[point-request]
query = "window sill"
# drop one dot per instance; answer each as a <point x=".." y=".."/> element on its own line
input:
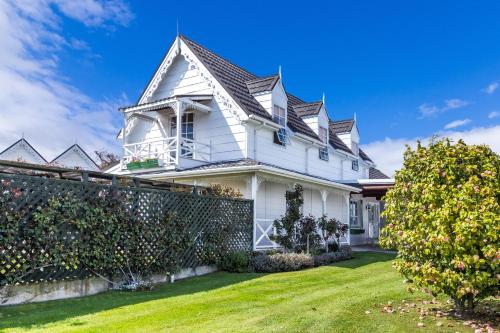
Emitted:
<point x="356" y="231"/>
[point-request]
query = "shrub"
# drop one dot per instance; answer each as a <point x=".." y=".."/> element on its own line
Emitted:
<point x="443" y="218"/>
<point x="220" y="190"/>
<point x="331" y="257"/>
<point x="281" y="262"/>
<point x="236" y="262"/>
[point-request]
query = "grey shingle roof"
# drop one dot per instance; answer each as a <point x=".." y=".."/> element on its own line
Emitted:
<point x="262" y="84"/>
<point x="335" y="140"/>
<point x="363" y="155"/>
<point x="234" y="79"/>
<point x="342" y="126"/>
<point x="374" y="173"/>
<point x="307" y="109"/>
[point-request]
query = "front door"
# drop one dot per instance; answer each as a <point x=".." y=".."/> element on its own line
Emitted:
<point x="373" y="220"/>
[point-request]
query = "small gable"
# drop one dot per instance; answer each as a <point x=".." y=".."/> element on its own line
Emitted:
<point x="22" y="151"/>
<point x="75" y="158"/>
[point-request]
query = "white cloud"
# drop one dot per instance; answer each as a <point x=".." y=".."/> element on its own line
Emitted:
<point x="491" y="88"/>
<point x="388" y="153"/>
<point x="454" y="103"/>
<point x="95" y="13"/>
<point x="36" y="99"/>
<point x="428" y="110"/>
<point x="457" y="123"/>
<point x="494" y="114"/>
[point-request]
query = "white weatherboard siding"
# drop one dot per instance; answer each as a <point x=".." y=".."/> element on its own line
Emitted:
<point x="219" y="128"/>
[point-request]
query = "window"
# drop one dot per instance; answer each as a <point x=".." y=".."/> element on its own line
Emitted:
<point x="355" y="165"/>
<point x="356" y="214"/>
<point x="187" y="131"/>
<point x="281" y="137"/>
<point x="323" y="135"/>
<point x="279" y="115"/>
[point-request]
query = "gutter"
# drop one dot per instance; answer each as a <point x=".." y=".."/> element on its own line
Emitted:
<point x="271" y="124"/>
<point x="255" y="168"/>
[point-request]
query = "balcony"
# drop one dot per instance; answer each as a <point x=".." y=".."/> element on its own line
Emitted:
<point x="164" y="153"/>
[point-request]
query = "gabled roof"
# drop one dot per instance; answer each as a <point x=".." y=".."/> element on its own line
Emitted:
<point x="308" y="109"/>
<point x="78" y="148"/>
<point x="363" y="155"/>
<point x="335" y="141"/>
<point x="23" y="140"/>
<point x="234" y="80"/>
<point x="342" y="126"/>
<point x="262" y="84"/>
<point x="374" y="173"/>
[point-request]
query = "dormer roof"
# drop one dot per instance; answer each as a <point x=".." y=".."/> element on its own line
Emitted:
<point x="262" y="84"/>
<point x="335" y="141"/>
<point x="308" y="109"/>
<point x="342" y="126"/>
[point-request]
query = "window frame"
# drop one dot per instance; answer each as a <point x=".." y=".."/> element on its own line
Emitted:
<point x="279" y="115"/>
<point x="323" y="135"/>
<point x="356" y="206"/>
<point x="355" y="165"/>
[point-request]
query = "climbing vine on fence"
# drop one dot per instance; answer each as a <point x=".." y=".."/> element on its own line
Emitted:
<point x="52" y="230"/>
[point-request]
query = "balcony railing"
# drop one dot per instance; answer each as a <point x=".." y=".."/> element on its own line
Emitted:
<point x="165" y="151"/>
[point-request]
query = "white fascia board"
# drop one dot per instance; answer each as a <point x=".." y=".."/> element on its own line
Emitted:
<point x="376" y="181"/>
<point x="255" y="168"/>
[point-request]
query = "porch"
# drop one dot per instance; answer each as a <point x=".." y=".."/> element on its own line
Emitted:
<point x="161" y="135"/>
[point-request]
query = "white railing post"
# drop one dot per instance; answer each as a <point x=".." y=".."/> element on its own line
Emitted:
<point x="348" y="203"/>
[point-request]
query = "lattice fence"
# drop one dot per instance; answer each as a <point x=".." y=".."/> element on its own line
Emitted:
<point x="22" y="258"/>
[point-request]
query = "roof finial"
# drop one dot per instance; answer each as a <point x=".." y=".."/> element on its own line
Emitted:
<point x="323" y="99"/>
<point x="355" y="117"/>
<point x="177" y="26"/>
<point x="279" y="71"/>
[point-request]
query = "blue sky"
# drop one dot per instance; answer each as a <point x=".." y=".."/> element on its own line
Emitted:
<point x="407" y="69"/>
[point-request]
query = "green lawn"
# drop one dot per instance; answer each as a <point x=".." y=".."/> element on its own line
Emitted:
<point x="325" y="299"/>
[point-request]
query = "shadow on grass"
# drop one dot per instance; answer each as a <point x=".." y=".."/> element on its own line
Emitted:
<point x="35" y="314"/>
<point x="365" y="258"/>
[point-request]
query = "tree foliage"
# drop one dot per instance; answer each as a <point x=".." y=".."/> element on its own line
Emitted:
<point x="444" y="219"/>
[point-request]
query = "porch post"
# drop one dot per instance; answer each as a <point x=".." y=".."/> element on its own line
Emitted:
<point x="347" y="198"/>
<point x="179" y="111"/>
<point x="324" y="196"/>
<point x="254" y="184"/>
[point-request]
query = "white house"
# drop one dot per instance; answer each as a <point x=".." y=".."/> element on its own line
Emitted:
<point x="247" y="132"/>
<point x="74" y="157"/>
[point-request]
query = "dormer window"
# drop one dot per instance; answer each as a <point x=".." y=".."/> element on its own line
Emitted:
<point x="279" y="115"/>
<point x="323" y="135"/>
<point x="355" y="148"/>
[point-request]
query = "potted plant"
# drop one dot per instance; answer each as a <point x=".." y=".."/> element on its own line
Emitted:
<point x="150" y="163"/>
<point x="135" y="164"/>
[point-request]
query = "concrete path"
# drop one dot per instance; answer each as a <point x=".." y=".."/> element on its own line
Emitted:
<point x="370" y="248"/>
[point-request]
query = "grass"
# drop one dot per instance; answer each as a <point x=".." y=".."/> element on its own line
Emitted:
<point x="325" y="299"/>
